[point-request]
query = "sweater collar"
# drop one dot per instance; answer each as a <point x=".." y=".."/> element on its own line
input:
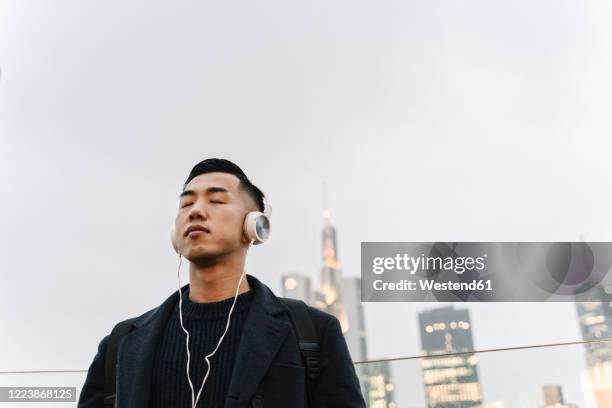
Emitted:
<point x="261" y="295"/>
<point x="215" y="310"/>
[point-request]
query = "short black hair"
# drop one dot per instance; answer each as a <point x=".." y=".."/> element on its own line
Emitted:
<point x="225" y="166"/>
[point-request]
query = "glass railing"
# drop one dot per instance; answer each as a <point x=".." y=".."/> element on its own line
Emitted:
<point x="576" y="375"/>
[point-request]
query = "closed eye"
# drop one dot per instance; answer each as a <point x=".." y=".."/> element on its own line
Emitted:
<point x="212" y="201"/>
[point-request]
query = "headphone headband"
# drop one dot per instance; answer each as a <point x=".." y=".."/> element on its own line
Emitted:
<point x="267" y="207"/>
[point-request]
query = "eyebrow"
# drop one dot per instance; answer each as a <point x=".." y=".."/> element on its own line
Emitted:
<point x="209" y="190"/>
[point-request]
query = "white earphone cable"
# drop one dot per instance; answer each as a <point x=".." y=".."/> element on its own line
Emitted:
<point x="194" y="403"/>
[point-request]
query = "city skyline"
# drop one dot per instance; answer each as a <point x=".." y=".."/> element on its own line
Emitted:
<point x="449" y="382"/>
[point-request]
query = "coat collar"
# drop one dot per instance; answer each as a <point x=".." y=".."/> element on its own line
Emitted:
<point x="263" y="333"/>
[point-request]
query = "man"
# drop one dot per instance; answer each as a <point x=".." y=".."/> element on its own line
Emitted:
<point x="253" y="353"/>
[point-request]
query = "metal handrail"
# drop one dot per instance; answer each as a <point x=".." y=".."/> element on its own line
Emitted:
<point x="421" y="356"/>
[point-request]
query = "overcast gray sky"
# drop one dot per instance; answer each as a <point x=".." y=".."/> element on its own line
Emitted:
<point x="429" y="121"/>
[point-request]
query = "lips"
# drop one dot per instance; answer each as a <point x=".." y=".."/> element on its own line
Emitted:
<point x="192" y="228"/>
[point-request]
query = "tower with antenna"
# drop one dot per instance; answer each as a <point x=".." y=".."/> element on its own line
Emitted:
<point x="341" y="296"/>
<point x="330" y="296"/>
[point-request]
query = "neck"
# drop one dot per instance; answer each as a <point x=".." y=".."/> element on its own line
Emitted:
<point x="217" y="281"/>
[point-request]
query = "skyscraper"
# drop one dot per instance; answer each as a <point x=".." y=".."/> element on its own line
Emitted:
<point x="595" y="319"/>
<point x="331" y="283"/>
<point x="553" y="397"/>
<point x="450" y="381"/>
<point x="356" y="333"/>
<point x="342" y="298"/>
<point x="379" y="390"/>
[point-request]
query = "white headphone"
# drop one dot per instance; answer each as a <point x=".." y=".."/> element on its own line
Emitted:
<point x="256" y="228"/>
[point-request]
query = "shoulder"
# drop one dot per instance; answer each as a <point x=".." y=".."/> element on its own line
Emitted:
<point x="144" y="317"/>
<point x="321" y="317"/>
<point x="154" y="313"/>
<point x="138" y="320"/>
<point x="325" y="323"/>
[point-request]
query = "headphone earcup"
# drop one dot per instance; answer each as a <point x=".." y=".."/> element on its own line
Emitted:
<point x="256" y="227"/>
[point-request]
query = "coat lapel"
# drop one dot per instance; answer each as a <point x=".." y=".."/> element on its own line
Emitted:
<point x="263" y="333"/>
<point x="136" y="354"/>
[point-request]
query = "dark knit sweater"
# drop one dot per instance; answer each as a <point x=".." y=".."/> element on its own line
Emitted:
<point x="205" y="323"/>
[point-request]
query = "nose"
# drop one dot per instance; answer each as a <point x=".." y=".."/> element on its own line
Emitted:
<point x="198" y="211"/>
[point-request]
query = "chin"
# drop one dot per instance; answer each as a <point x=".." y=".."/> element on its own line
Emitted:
<point x="200" y="254"/>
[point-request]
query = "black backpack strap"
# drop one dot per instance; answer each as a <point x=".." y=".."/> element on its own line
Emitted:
<point x="307" y="338"/>
<point x="110" y="367"/>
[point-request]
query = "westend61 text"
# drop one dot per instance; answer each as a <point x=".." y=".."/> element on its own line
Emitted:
<point x="430" y="284"/>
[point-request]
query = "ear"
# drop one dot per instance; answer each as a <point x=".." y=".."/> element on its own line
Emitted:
<point x="173" y="240"/>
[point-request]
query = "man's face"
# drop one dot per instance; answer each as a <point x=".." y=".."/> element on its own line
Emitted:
<point x="216" y="202"/>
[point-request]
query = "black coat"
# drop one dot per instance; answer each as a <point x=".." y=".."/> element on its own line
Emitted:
<point x="268" y="371"/>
